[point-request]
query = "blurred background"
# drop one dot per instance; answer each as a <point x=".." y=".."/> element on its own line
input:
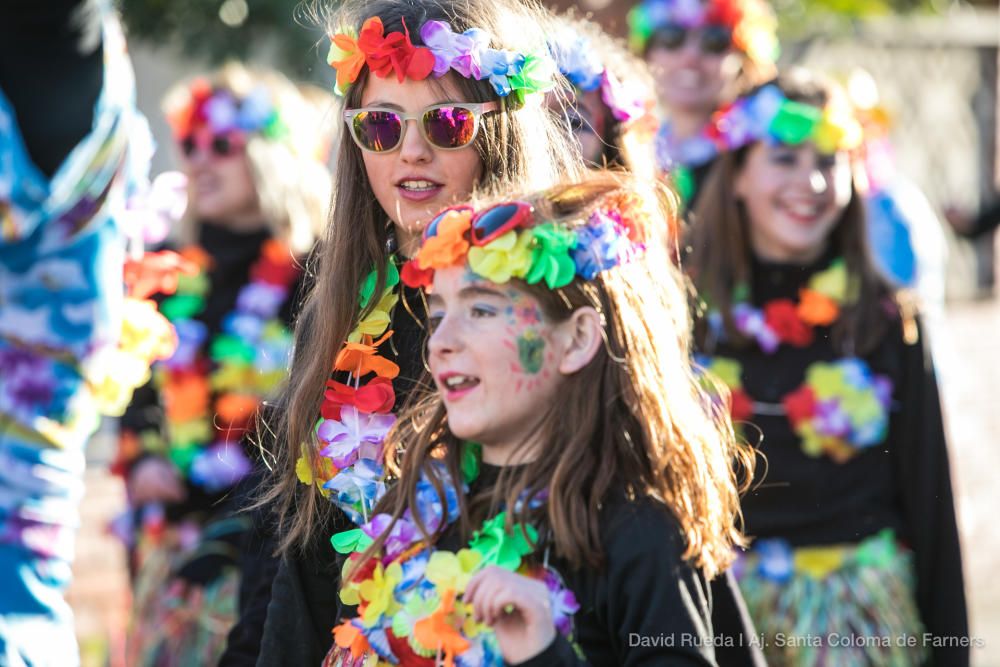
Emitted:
<point x="935" y="63"/>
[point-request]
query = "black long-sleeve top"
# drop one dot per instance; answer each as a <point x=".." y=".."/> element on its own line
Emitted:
<point x="903" y="483"/>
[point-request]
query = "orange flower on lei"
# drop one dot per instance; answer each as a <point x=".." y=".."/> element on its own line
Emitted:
<point x="362" y="358"/>
<point x="449" y="246"/>
<point x="347" y="635"/>
<point x="437" y="633"/>
<point x="816" y="308"/>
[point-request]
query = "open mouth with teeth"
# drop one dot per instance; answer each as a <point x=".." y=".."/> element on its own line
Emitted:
<point x="805" y="212"/>
<point x="456" y="384"/>
<point x="419" y="186"/>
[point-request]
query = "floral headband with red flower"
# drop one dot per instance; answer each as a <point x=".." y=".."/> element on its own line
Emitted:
<point x="752" y="22"/>
<point x="466" y="53"/>
<point x="508" y="241"/>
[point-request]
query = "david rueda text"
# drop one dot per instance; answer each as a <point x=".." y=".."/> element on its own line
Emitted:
<point x="689" y="639"/>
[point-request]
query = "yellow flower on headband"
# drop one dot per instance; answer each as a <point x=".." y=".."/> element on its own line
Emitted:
<point x="449" y="245"/>
<point x="837" y="130"/>
<point x="506" y="257"/>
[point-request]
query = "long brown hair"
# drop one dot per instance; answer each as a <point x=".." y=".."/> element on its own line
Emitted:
<point x="519" y="145"/>
<point x="721" y="254"/>
<point x="634" y="421"/>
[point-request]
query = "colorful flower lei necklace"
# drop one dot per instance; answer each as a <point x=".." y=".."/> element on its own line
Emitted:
<point x="467" y="53"/>
<point x="408" y="595"/>
<point x="753" y="23"/>
<point x="249" y="355"/>
<point x="842" y="406"/>
<point x="783" y="321"/>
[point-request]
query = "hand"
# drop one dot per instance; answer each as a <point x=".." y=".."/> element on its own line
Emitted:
<point x="154" y="480"/>
<point x="516" y="607"/>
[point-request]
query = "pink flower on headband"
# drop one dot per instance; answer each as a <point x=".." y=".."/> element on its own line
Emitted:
<point x="453" y="50"/>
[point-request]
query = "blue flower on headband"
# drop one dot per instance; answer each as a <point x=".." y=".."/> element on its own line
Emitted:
<point x="577" y="61"/>
<point x="498" y="66"/>
<point x="597" y="246"/>
<point x="255" y="110"/>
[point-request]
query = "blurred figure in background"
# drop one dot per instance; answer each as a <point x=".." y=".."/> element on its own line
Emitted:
<point x="612" y="105"/>
<point x="73" y="148"/>
<point x="702" y="54"/>
<point x="253" y="148"/>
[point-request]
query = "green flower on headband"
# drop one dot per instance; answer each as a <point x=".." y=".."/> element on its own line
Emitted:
<point x="275" y="129"/>
<point x="506" y="257"/>
<point x="501" y="548"/>
<point x="536" y="76"/>
<point x="795" y="122"/>
<point x="552" y="261"/>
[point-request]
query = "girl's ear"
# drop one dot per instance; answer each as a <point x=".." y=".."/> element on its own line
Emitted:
<point x="581" y="338"/>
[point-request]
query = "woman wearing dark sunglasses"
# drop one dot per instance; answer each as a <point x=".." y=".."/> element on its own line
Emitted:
<point x="440" y="99"/>
<point x="252" y="147"/>
<point x="702" y="53"/>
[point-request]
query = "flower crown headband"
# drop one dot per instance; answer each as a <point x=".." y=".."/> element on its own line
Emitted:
<point x="466" y="53"/>
<point x="577" y="61"/>
<point x="767" y="115"/>
<point x="507" y="241"/>
<point x="752" y="22"/>
<point x="222" y="112"/>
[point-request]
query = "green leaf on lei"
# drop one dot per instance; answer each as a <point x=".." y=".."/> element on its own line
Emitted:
<point x="368" y="285"/>
<point x="349" y="541"/>
<point x="878" y="551"/>
<point x="182" y="457"/>
<point x="472" y="453"/>
<point x="182" y="306"/>
<point x="501" y="548"/>
<point x="227" y="347"/>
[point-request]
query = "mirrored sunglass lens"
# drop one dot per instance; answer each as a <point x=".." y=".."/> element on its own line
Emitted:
<point x="490" y="221"/>
<point x="188" y="146"/>
<point x="222" y="146"/>
<point x="377" y="130"/>
<point x="715" y="39"/>
<point x="450" y="127"/>
<point x="669" y="37"/>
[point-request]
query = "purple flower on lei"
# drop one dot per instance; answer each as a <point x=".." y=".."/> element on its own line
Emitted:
<point x="399" y="539"/>
<point x="220" y="467"/>
<point x="356" y="435"/>
<point x="831" y="420"/>
<point x="28" y="381"/>
<point x="750" y="322"/>
<point x="429" y="502"/>
<point x="563" y="602"/>
<point x="190" y="336"/>
<point x="261" y="299"/>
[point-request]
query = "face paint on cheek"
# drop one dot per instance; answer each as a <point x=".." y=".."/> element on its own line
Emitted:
<point x="531" y="351"/>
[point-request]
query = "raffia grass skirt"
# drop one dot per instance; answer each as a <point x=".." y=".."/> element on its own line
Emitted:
<point x="850" y="605"/>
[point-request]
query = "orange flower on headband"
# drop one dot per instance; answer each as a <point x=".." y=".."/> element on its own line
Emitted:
<point x="449" y="246"/>
<point x="346" y="57"/>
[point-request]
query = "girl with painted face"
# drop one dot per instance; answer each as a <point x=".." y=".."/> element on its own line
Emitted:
<point x="567" y="491"/>
<point x="439" y="99"/>
<point x="252" y="148"/>
<point x="611" y="109"/>
<point x="702" y="54"/>
<point x="827" y="363"/>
